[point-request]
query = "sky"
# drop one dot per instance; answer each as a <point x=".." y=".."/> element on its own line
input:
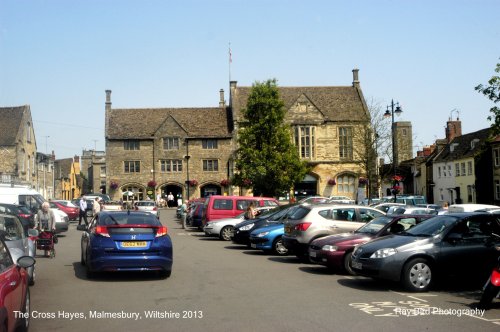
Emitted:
<point x="59" y="57"/>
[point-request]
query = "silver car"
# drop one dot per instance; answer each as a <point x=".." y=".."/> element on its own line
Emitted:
<point x="11" y="230"/>
<point x="309" y="222"/>
<point x="146" y="206"/>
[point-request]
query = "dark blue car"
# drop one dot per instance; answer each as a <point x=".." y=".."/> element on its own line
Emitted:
<point x="126" y="241"/>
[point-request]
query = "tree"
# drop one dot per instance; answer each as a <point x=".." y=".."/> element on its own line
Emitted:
<point x="266" y="158"/>
<point x="373" y="140"/>
<point x="492" y="92"/>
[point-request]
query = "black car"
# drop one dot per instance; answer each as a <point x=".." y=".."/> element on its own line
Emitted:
<point x="22" y="212"/>
<point x="457" y="244"/>
<point x="241" y="234"/>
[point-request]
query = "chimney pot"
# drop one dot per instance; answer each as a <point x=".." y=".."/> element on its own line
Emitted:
<point x="355" y="79"/>
<point x="222" y="103"/>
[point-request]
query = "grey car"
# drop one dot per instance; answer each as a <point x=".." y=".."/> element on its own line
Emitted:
<point x="11" y="230"/>
<point x="146" y="206"/>
<point x="309" y="222"/>
<point x="458" y="244"/>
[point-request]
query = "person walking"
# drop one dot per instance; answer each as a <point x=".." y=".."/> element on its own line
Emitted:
<point x="45" y="223"/>
<point x="83" y="211"/>
<point x="96" y="207"/>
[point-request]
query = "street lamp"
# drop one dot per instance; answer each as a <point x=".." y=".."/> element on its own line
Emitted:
<point x="390" y="113"/>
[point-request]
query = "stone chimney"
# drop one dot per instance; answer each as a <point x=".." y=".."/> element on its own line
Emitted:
<point x="222" y="102"/>
<point x="76" y="159"/>
<point x="108" y="100"/>
<point x="453" y="129"/>
<point x="355" y="80"/>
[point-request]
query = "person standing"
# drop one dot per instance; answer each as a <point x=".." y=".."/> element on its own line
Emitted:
<point x="83" y="211"/>
<point x="170" y="200"/>
<point x="250" y="212"/>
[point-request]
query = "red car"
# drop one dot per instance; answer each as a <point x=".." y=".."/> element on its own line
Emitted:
<point x="67" y="207"/>
<point x="335" y="251"/>
<point x="14" y="291"/>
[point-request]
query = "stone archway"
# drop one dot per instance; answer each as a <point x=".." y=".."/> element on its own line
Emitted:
<point x="307" y="187"/>
<point x="210" y="189"/>
<point x="177" y="191"/>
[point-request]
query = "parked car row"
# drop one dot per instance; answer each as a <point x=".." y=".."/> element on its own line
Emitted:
<point x="413" y="249"/>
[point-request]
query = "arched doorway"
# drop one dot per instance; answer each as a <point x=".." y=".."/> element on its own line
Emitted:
<point x="175" y="189"/>
<point x="133" y="192"/>
<point x="307" y="187"/>
<point x="210" y="189"/>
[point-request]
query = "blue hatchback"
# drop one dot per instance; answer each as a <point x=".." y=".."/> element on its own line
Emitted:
<point x="269" y="238"/>
<point x="126" y="241"/>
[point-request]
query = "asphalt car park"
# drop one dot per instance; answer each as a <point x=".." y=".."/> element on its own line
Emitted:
<point x="224" y="286"/>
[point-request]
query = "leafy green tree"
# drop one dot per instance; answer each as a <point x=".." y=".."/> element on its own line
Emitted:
<point x="492" y="91"/>
<point x="266" y="158"/>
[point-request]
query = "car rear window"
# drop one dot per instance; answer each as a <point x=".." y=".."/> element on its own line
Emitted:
<point x="223" y="204"/>
<point x="145" y="203"/>
<point x="299" y="213"/>
<point x="270" y="203"/>
<point x="128" y="219"/>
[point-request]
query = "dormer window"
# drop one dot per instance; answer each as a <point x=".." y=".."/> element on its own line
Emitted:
<point x="474" y="143"/>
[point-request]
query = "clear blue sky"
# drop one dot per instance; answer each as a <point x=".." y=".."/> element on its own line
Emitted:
<point x="59" y="56"/>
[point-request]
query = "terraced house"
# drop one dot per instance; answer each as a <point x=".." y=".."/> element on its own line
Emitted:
<point x="190" y="151"/>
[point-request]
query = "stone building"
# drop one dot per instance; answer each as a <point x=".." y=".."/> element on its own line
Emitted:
<point x="17" y="146"/>
<point x="93" y="168"/>
<point x="183" y="151"/>
<point x="190" y="151"/>
<point x="328" y="126"/>
<point x="67" y="180"/>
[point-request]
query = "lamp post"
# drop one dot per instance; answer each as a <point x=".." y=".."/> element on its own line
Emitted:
<point x="390" y="113"/>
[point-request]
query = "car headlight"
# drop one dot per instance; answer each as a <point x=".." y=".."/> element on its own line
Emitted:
<point x="329" y="247"/>
<point x="383" y="253"/>
<point x="246" y="227"/>
<point x="262" y="234"/>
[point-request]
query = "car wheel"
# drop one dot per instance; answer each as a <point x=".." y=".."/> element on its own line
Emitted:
<point x="347" y="263"/>
<point x="226" y="233"/>
<point x="278" y="247"/>
<point x="417" y="275"/>
<point x="24" y="323"/>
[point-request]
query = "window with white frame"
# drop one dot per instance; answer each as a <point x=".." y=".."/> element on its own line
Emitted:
<point x="469" y="168"/>
<point x="304" y="137"/>
<point x="449" y="171"/>
<point x="439" y="171"/>
<point x="457" y="169"/>
<point x="345" y="142"/>
<point x="171" y="143"/>
<point x="469" y="194"/>
<point x="102" y="171"/>
<point x="496" y="157"/>
<point x="345" y="183"/>
<point x="462" y="167"/>
<point x="171" y="165"/>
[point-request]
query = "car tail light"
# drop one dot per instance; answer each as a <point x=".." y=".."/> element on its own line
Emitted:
<point x="302" y="226"/>
<point x="161" y="231"/>
<point x="154" y="209"/>
<point x="24" y="215"/>
<point x="102" y="231"/>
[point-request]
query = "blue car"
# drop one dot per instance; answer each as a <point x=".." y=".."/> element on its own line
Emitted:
<point x="269" y="238"/>
<point x="126" y="241"/>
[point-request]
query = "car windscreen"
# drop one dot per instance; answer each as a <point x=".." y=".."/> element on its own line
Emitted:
<point x="432" y="226"/>
<point x="374" y="226"/>
<point x="127" y="219"/>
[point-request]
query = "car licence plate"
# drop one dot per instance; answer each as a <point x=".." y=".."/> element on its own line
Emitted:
<point x="254" y="245"/>
<point x="312" y="253"/>
<point x="134" y="244"/>
<point x="357" y="265"/>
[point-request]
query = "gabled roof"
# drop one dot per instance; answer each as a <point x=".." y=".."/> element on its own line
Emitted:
<point x="337" y="103"/>
<point x="10" y="122"/>
<point x="143" y="123"/>
<point x="462" y="147"/>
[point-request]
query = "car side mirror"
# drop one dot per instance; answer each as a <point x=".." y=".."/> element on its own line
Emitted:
<point x="81" y="227"/>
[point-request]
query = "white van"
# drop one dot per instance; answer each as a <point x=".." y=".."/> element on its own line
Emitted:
<point x="470" y="207"/>
<point x="21" y="195"/>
